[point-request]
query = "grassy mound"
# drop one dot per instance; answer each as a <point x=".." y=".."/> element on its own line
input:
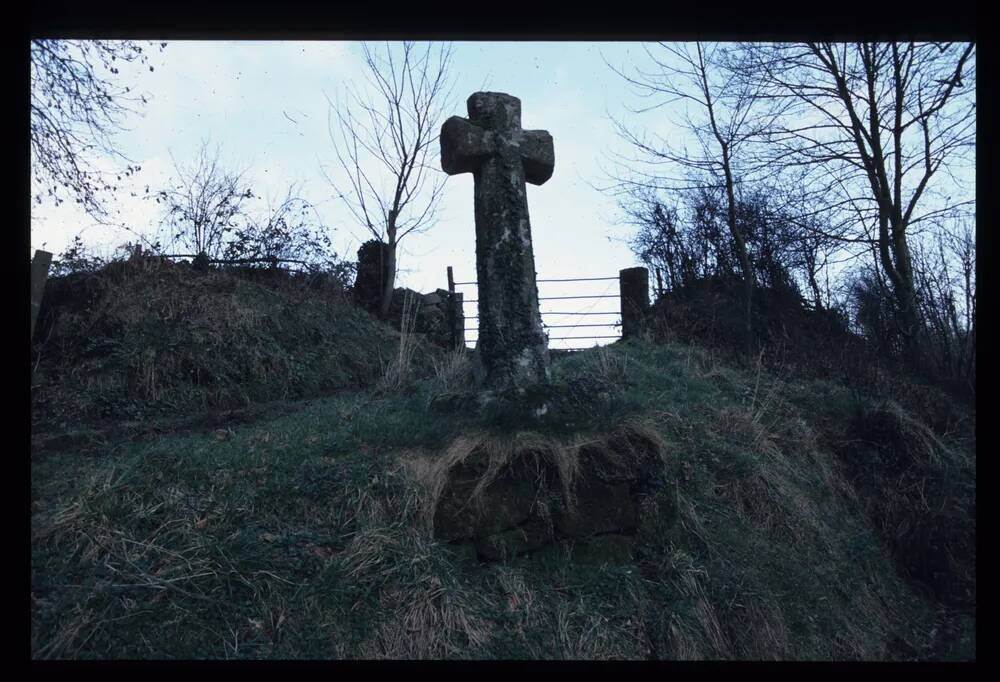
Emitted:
<point x="711" y="313"/>
<point x="150" y="337"/>
<point x="921" y="495"/>
<point x="307" y="534"/>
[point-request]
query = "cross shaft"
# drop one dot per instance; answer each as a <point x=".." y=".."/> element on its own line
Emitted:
<point x="491" y="145"/>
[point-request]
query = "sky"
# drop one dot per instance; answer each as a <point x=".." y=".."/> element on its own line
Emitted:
<point x="266" y="105"/>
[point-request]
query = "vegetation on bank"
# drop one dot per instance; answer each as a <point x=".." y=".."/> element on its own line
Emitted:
<point x="145" y="336"/>
<point x="813" y="523"/>
<point x="242" y="464"/>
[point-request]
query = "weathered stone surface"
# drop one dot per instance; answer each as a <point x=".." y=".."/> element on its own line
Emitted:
<point x="527" y="537"/>
<point x="431" y="315"/>
<point x="491" y="144"/>
<point x="464" y="551"/>
<point x="505" y="503"/>
<point x="524" y="510"/>
<point x="600" y="508"/>
<point x="39" y="273"/>
<point x="621" y="458"/>
<point x="610" y="469"/>
<point x="612" y="548"/>
<point x="200" y="263"/>
<point x="456" y="320"/>
<point x="634" y="285"/>
<point x="405" y="297"/>
<point x="373" y="266"/>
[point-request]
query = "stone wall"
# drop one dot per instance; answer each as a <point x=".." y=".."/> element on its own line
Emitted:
<point x="432" y="314"/>
<point x="527" y="506"/>
<point x="372" y="271"/>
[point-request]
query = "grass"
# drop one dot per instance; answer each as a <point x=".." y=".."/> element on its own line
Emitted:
<point x="305" y="534"/>
<point x="149" y="339"/>
<point x="397" y="374"/>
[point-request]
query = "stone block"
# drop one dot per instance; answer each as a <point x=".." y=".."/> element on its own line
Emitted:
<point x="527" y="537"/>
<point x="600" y="508"/>
<point x="505" y="503"/>
<point x="613" y="548"/>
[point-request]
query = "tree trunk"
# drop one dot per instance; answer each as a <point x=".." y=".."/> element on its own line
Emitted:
<point x="741" y="248"/>
<point x="809" y="254"/>
<point x="390" y="267"/>
<point x="909" y="320"/>
<point x="389" y="285"/>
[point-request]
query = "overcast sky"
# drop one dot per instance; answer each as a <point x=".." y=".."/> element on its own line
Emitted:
<point x="265" y="104"/>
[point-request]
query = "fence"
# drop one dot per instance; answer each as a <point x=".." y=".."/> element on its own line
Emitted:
<point x="555" y="316"/>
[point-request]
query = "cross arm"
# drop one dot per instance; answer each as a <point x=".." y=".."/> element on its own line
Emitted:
<point x="464" y="145"/>
<point x="538" y="156"/>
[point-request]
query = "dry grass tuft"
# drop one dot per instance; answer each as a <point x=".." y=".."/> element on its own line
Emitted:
<point x="426" y="620"/>
<point x="491" y="456"/>
<point x="698" y="635"/>
<point x="612" y="368"/>
<point x="453" y="370"/>
<point x="149" y="337"/>
<point x="397" y="374"/>
<point x="769" y="636"/>
<point x="585" y="634"/>
<point x="920" y="494"/>
<point x="918" y="439"/>
<point x="424" y="611"/>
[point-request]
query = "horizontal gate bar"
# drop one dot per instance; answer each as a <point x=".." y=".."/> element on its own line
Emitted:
<point x="578" y="279"/>
<point x="547" y="312"/>
<point x="559" y="326"/>
<point x="573" y="279"/>
<point x="559" y="298"/>
<point x="565" y="338"/>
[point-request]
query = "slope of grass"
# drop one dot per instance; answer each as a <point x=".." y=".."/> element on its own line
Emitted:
<point x="143" y="338"/>
<point x="304" y="535"/>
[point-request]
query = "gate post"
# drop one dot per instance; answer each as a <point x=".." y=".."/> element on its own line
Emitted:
<point x="634" y="287"/>
<point x="39" y="273"/>
<point x="458" y="321"/>
<point x="456" y="315"/>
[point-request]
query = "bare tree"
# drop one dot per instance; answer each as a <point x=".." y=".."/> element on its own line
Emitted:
<point x="659" y="239"/>
<point x="76" y="109"/>
<point x="720" y="112"/>
<point x="877" y="127"/>
<point x="205" y="203"/>
<point x="289" y="229"/>
<point x="944" y="273"/>
<point x="384" y="139"/>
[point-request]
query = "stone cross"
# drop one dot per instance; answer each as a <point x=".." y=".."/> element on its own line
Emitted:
<point x="491" y="145"/>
